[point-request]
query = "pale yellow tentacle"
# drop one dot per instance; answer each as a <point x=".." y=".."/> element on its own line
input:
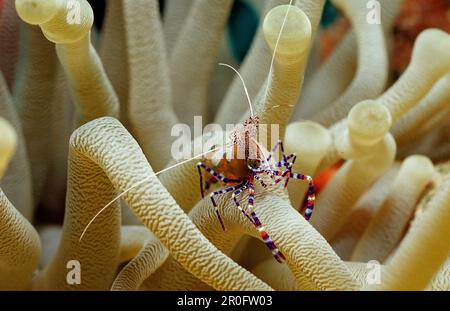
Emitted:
<point x="193" y="58"/>
<point x="143" y="254"/>
<point x="361" y="214"/>
<point x="336" y="73"/>
<point x="428" y="65"/>
<point x="8" y="145"/>
<point x="19" y="242"/>
<point x="410" y="126"/>
<point x="277" y="98"/>
<point x="309" y="256"/>
<point x="256" y="65"/>
<point x="104" y="149"/>
<point x="309" y="141"/>
<point x="114" y="55"/>
<point x="386" y="229"/>
<point x="16" y="182"/>
<point x="372" y="71"/>
<point x="424" y="250"/>
<point x="442" y="280"/>
<point x="20" y="248"/>
<point x="151" y="115"/>
<point x="91" y="89"/>
<point x="175" y="15"/>
<point x="370" y="151"/>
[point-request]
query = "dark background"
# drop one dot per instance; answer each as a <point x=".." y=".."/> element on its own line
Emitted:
<point x="99" y="10"/>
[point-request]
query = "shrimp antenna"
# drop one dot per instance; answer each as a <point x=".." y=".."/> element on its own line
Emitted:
<point x="140" y="183"/>
<point x="243" y="83"/>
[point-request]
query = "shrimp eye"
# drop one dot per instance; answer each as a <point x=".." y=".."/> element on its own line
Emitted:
<point x="254" y="164"/>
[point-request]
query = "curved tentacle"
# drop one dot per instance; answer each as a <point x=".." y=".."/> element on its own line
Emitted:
<point x="255" y="67"/>
<point x="428" y="65"/>
<point x="19" y="243"/>
<point x="422" y="252"/>
<point x="277" y="97"/>
<point x="372" y="70"/>
<point x="16" y="182"/>
<point x="194" y="55"/>
<point x="308" y="255"/>
<point x="370" y="151"/>
<point x="91" y="89"/>
<point x="336" y="73"/>
<point x="104" y="149"/>
<point x="385" y="230"/>
<point x="144" y="254"/>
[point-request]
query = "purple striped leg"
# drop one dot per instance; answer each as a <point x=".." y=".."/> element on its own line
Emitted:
<point x="223" y="191"/>
<point x="260" y="180"/>
<point x="311" y="192"/>
<point x="280" y="145"/>
<point x="216" y="175"/>
<point x="284" y="162"/>
<point x="236" y="202"/>
<point x="277" y="254"/>
<point x="288" y="165"/>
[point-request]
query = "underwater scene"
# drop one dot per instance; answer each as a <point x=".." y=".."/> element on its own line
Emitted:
<point x="224" y="145"/>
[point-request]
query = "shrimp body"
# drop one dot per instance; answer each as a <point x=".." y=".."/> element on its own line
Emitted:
<point x="239" y="175"/>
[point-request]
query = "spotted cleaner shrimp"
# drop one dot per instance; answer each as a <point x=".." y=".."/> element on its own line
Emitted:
<point x="239" y="174"/>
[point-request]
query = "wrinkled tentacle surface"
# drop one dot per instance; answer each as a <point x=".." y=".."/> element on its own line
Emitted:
<point x="372" y="70"/>
<point x="194" y="55"/>
<point x="96" y="148"/>
<point x="379" y="203"/>
<point x="337" y="73"/>
<point x="256" y="65"/>
<point x="20" y="247"/>
<point x="362" y="213"/>
<point x="423" y="252"/>
<point x="149" y="98"/>
<point x="16" y="183"/>
<point x="370" y="151"/>
<point x="91" y="89"/>
<point x="308" y="255"/>
<point x="143" y="254"/>
<point x="385" y="230"/>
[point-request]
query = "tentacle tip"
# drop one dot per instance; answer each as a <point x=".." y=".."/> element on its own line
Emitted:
<point x="431" y="43"/>
<point x="369" y="121"/>
<point x="37" y="12"/>
<point x="296" y="30"/>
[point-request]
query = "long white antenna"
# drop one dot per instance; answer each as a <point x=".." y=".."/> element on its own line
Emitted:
<point x="275" y="50"/>
<point x="200" y="155"/>
<point x="140" y="183"/>
<point x="243" y="83"/>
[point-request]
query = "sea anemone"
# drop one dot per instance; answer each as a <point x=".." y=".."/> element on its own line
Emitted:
<point x="88" y="177"/>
